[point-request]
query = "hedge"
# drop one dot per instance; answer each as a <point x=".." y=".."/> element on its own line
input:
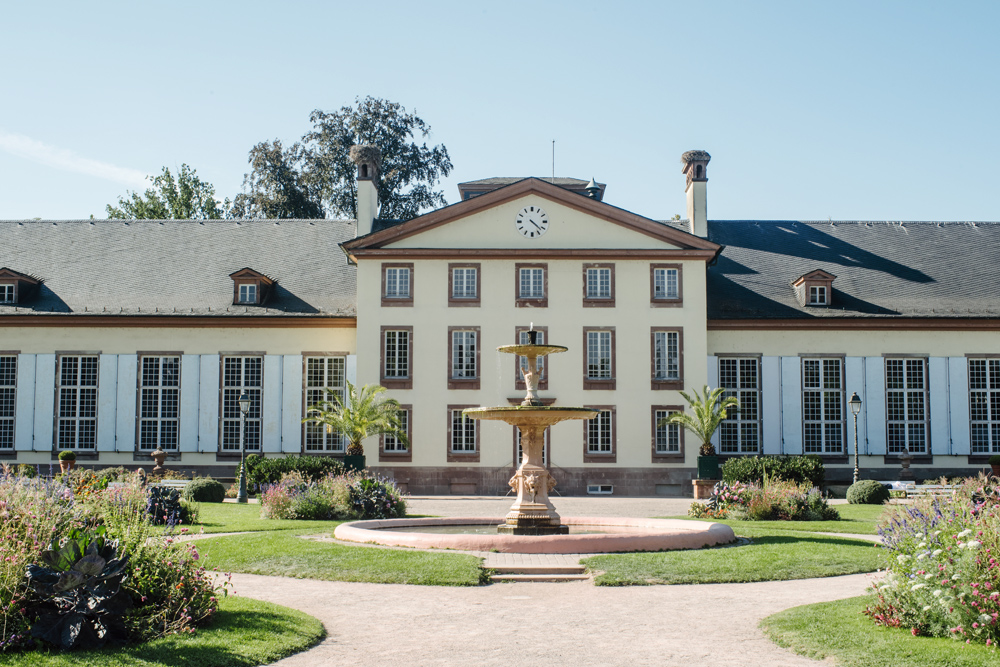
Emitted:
<point x="753" y="469"/>
<point x="262" y="470"/>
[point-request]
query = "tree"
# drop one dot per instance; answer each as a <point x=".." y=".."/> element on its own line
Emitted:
<point x="409" y="170"/>
<point x="187" y="198"/>
<point x="708" y="412"/>
<point x="276" y="186"/>
<point x="365" y="413"/>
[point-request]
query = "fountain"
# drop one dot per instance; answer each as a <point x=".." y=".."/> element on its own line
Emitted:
<point x="532" y="513"/>
<point x="532" y="525"/>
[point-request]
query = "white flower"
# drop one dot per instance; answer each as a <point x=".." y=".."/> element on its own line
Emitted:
<point x="956" y="576"/>
<point x="985" y="618"/>
<point x="921" y="545"/>
<point x="919" y="535"/>
<point x="937" y="552"/>
<point x="965" y="533"/>
<point x="961" y="545"/>
<point x="921" y="556"/>
<point x="936" y="533"/>
<point x="927" y="608"/>
<point x="902" y="558"/>
<point x="929" y="576"/>
<point x="917" y="587"/>
<point x="973" y="544"/>
<point x="936" y="594"/>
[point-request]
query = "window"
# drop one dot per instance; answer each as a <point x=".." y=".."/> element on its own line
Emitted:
<point x="984" y="405"/>
<point x="519" y="451"/>
<point x="463" y="435"/>
<point x="241" y="374"/>
<point x="668" y="439"/>
<point x="463" y="285"/>
<point x="159" y="401"/>
<point x="463" y="351"/>
<point x="666" y="359"/>
<point x="599" y="369"/>
<point x="322" y="373"/>
<point x="77" y="407"/>
<point x="397" y="285"/>
<point x="599" y="436"/>
<point x="8" y="394"/>
<point x="531" y="286"/>
<point x="817" y="296"/>
<point x="905" y="404"/>
<point x="248" y="293"/>
<point x="665" y="285"/>
<point x="823" y="406"/>
<point x="599" y="285"/>
<point x="521" y="334"/>
<point x="392" y="445"/>
<point x="397" y="346"/>
<point x="739" y="433"/>
<point x="7" y="293"/>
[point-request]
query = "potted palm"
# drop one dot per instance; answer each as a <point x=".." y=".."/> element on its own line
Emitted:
<point x="995" y="464"/>
<point x="708" y="409"/>
<point x="362" y="413"/>
<point x="67" y="460"/>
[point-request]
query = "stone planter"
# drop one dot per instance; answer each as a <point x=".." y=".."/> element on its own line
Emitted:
<point x="708" y="467"/>
<point x="353" y="462"/>
<point x="703" y="488"/>
<point x="66" y="465"/>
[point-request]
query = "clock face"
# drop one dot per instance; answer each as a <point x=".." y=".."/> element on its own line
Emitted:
<point x="532" y="222"/>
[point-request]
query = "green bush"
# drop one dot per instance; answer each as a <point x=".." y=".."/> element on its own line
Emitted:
<point x="261" y="471"/>
<point x="867" y="492"/>
<point x="755" y="469"/>
<point x="165" y="508"/>
<point x="26" y="470"/>
<point x="204" y="490"/>
<point x="995" y="460"/>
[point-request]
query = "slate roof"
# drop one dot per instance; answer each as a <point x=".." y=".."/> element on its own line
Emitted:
<point x="179" y="267"/>
<point x="883" y="269"/>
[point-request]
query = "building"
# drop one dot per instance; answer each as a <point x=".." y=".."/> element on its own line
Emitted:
<point x="117" y="337"/>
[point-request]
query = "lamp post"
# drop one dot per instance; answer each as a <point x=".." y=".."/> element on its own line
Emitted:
<point x="241" y="496"/>
<point x="855" y="404"/>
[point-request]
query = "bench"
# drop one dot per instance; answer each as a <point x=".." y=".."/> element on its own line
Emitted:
<point x="179" y="484"/>
<point x="916" y="490"/>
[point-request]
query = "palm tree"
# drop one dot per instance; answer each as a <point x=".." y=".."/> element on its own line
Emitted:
<point x="365" y="413"/>
<point x="708" y="412"/>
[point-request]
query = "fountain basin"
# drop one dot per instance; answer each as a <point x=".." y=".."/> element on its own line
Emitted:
<point x="530" y="415"/>
<point x="628" y="535"/>
<point x="533" y="350"/>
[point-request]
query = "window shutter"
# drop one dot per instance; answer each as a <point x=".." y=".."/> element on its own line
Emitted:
<point x="189" y="395"/>
<point x="208" y="409"/>
<point x="271" y="404"/>
<point x="937" y="371"/>
<point x="24" y="409"/>
<point x="875" y="405"/>
<point x="107" y="402"/>
<point x="125" y="423"/>
<point x="961" y="439"/>
<point x="713" y="383"/>
<point x="291" y="404"/>
<point x="791" y="405"/>
<point x="854" y="376"/>
<point x="45" y="394"/>
<point x="771" y="405"/>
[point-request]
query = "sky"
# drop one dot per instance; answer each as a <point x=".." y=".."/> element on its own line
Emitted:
<point x="811" y="110"/>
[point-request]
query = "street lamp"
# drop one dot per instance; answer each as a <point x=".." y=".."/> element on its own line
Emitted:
<point x="241" y="496"/>
<point x="855" y="404"/>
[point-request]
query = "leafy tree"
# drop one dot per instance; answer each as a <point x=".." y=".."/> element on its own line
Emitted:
<point x="708" y="412"/>
<point x="365" y="413"/>
<point x="276" y="186"/>
<point x="186" y="198"/>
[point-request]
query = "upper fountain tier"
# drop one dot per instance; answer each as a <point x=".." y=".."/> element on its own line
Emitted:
<point x="529" y="350"/>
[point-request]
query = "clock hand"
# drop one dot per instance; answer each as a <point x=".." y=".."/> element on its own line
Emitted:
<point x="535" y="224"/>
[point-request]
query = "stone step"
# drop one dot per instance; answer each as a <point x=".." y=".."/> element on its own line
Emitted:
<point x="517" y="578"/>
<point x="539" y="569"/>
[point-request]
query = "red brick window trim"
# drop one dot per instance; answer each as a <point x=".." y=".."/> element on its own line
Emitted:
<point x="397" y="284"/>
<point x="600" y="435"/>
<point x="396" y="362"/>
<point x="464" y="357"/>
<point x="531" y="288"/>
<point x="521" y="336"/>
<point x="463" y="433"/>
<point x="666" y="286"/>
<point x="667" y="441"/>
<point x="464" y="285"/>
<point x="666" y="360"/>
<point x="598" y="285"/>
<point x="391" y="449"/>
<point x="599" y="362"/>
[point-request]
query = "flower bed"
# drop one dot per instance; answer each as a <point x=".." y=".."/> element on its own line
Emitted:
<point x="344" y="496"/>
<point x="769" y="501"/>
<point x="942" y="574"/>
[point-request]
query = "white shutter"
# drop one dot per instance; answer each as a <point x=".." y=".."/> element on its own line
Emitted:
<point x="270" y="416"/>
<point x="107" y="401"/>
<point x="208" y="405"/>
<point x="190" y="394"/>
<point x="45" y="392"/>
<point x="961" y="439"/>
<point x="770" y="371"/>
<point x="128" y="373"/>
<point x="351" y="368"/>
<point x="24" y="408"/>
<point x="791" y="405"/>
<point x="875" y="405"/>
<point x="712" y="377"/>
<point x="937" y="370"/>
<point x="854" y="376"/>
<point x="291" y="404"/>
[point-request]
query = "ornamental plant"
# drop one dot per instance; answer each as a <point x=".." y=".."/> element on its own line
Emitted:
<point x="67" y="455"/>
<point x="364" y="413"/>
<point x="707" y="412"/>
<point x="942" y="576"/>
<point x="346" y="496"/>
<point x="773" y="500"/>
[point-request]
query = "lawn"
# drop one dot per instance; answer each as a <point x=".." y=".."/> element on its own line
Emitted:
<point x="238" y="518"/>
<point x="836" y="631"/>
<point x="857" y="519"/>
<point x="244" y="633"/>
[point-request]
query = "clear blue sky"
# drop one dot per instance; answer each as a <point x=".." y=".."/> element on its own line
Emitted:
<point x="847" y="110"/>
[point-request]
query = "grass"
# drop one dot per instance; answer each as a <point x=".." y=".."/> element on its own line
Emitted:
<point x="244" y="633"/>
<point x="837" y="632"/>
<point x="239" y="518"/>
<point x="283" y="553"/>
<point x="857" y="519"/>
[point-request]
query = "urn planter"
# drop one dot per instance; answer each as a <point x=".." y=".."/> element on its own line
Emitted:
<point x="708" y="467"/>
<point x="354" y="462"/>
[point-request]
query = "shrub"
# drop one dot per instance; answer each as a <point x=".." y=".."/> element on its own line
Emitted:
<point x="755" y="469"/>
<point x="27" y="471"/>
<point x="347" y="496"/>
<point x="376" y="499"/>
<point x="116" y="474"/>
<point x="942" y="577"/>
<point x="204" y="490"/>
<point x="867" y="492"/>
<point x="994" y="460"/>
<point x="775" y="500"/>
<point x="67" y="455"/>
<point x="164" y="507"/>
<point x="312" y="468"/>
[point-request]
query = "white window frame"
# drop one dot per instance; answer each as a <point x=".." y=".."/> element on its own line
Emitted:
<point x="824" y="424"/>
<point x="599" y="355"/>
<point x="397" y="282"/>
<point x="319" y="374"/>
<point x="817" y="295"/>
<point x="158" y="415"/>
<point x="231" y="423"/>
<point x="666" y="284"/>
<point x="463" y="354"/>
<point x="912" y="430"/>
<point x="599" y="282"/>
<point x="984" y="404"/>
<point x="519" y="451"/>
<point x="668" y="436"/>
<point x="666" y="355"/>
<point x="248" y="292"/>
<point x="8" y="400"/>
<point x="463" y="282"/>
<point x="739" y="433"/>
<point x="76" y="405"/>
<point x="396" y="355"/>
<point x="600" y="433"/>
<point x="8" y="293"/>
<point x="531" y="283"/>
<point x="390" y="443"/>
<point x="463" y="433"/>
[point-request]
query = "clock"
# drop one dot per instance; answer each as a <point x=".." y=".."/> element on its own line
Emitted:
<point x="532" y="222"/>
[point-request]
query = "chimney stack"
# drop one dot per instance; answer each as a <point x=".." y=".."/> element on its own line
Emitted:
<point x="369" y="161"/>
<point x="696" y="169"/>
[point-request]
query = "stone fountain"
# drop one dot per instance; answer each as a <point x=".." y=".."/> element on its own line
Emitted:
<point x="532" y="513"/>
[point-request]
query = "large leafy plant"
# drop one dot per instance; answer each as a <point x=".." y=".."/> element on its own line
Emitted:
<point x="78" y="583"/>
<point x="366" y="412"/>
<point x="709" y="410"/>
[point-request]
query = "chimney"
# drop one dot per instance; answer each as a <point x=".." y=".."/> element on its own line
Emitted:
<point x="696" y="169"/>
<point x="369" y="161"/>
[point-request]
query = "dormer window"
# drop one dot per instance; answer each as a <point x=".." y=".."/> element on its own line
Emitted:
<point x="7" y="292"/>
<point x="15" y="286"/>
<point x="250" y="287"/>
<point x="814" y="289"/>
